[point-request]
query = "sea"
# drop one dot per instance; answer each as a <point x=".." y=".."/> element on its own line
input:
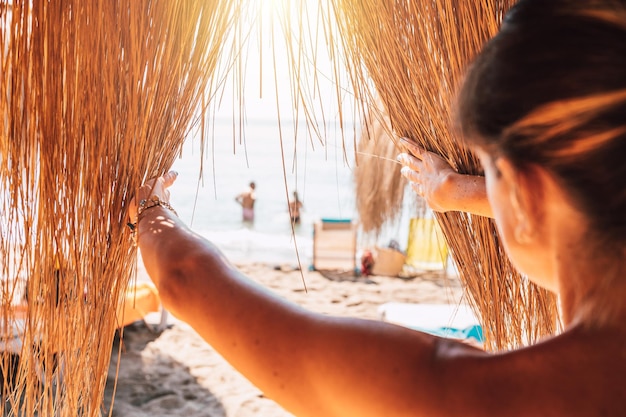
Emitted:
<point x="280" y="159"/>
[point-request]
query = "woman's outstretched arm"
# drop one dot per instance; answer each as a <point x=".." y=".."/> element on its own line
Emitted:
<point x="312" y="364"/>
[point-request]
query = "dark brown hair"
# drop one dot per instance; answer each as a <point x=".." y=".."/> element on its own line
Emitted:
<point x="550" y="90"/>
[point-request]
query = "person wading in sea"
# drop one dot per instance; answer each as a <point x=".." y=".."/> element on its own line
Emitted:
<point x="247" y="199"/>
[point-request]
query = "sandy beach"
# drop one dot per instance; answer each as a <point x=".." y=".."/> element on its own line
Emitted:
<point x="176" y="373"/>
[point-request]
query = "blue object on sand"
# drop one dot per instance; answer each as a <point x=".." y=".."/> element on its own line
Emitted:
<point x="333" y="220"/>
<point x="472" y="332"/>
<point x="455" y="321"/>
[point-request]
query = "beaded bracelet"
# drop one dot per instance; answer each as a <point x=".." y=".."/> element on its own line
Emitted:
<point x="145" y="204"/>
<point x="152" y="202"/>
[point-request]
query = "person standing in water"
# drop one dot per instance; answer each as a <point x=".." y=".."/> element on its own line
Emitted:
<point x="294" y="208"/>
<point x="247" y="199"/>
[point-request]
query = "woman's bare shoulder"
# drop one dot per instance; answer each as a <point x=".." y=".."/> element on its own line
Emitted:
<point x="578" y="373"/>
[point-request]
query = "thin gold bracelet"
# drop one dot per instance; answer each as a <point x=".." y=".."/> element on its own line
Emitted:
<point x="153" y="201"/>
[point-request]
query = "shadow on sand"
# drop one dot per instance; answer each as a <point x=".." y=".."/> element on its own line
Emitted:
<point x="154" y="386"/>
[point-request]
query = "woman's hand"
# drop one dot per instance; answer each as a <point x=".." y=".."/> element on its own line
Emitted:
<point x="429" y="175"/>
<point x="153" y="187"/>
<point x="440" y="185"/>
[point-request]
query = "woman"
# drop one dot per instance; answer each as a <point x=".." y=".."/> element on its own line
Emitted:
<point x="544" y="106"/>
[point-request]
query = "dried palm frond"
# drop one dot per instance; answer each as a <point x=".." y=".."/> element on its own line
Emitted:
<point x="415" y="53"/>
<point x="97" y="96"/>
<point x="378" y="185"/>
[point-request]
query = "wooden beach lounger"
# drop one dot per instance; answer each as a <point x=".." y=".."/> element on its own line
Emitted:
<point x="141" y="300"/>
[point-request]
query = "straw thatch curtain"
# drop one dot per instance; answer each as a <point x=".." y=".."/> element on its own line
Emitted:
<point x="414" y="53"/>
<point x="96" y="96"/>
<point x="378" y="186"/>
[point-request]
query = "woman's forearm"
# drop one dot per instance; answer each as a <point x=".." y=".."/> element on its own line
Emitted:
<point x="263" y="336"/>
<point x="467" y="193"/>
